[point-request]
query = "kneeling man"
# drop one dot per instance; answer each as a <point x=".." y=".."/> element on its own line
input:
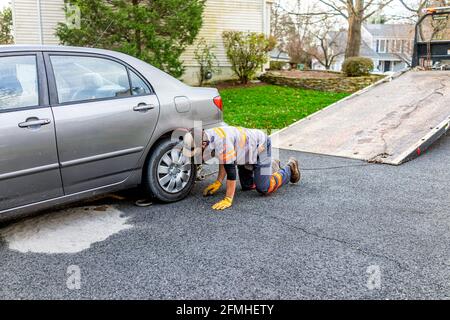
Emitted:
<point x="249" y="150"/>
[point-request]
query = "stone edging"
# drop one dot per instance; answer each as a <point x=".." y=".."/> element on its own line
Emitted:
<point x="340" y="84"/>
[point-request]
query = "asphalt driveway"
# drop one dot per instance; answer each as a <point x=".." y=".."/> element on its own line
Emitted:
<point x="349" y="230"/>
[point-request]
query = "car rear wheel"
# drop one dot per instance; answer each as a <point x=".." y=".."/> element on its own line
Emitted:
<point x="168" y="175"/>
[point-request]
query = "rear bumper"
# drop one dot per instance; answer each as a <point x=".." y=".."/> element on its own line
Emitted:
<point x="216" y="124"/>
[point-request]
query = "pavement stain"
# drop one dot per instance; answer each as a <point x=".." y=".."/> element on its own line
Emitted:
<point x="69" y="230"/>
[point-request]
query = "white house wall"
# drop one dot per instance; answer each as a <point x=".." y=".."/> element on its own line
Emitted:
<point x="29" y="28"/>
<point x="367" y="37"/>
<point x="53" y="11"/>
<point x="25" y="22"/>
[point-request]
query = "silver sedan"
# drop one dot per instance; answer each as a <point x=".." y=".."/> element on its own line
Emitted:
<point x="77" y="122"/>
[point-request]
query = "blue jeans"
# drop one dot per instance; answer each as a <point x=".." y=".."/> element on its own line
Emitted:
<point x="260" y="176"/>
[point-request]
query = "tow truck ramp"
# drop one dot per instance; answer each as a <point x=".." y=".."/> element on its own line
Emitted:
<point x="390" y="122"/>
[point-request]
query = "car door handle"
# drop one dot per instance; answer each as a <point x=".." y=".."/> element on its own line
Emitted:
<point x="34" y="122"/>
<point x="143" y="107"/>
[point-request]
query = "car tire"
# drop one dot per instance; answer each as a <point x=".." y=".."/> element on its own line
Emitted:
<point x="165" y="181"/>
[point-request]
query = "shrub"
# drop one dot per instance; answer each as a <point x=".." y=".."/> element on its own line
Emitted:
<point x="357" y="66"/>
<point x="207" y="61"/>
<point x="247" y="52"/>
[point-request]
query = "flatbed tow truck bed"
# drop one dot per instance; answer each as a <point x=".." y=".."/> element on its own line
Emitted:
<point x="390" y="122"/>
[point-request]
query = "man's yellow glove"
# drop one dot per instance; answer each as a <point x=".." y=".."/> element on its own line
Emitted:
<point x="225" y="203"/>
<point x="212" y="188"/>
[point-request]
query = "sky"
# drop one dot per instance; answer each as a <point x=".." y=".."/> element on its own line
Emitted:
<point x="394" y="9"/>
<point x="3" y="3"/>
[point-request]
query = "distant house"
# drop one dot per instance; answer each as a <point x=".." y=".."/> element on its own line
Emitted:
<point x="35" y="22"/>
<point x="388" y="45"/>
<point x="279" y="56"/>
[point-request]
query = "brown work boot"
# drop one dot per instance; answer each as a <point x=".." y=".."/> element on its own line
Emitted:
<point x="276" y="165"/>
<point x="295" y="171"/>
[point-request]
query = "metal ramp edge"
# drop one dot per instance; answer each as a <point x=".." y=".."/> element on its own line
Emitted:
<point x="423" y="144"/>
<point x="412" y="150"/>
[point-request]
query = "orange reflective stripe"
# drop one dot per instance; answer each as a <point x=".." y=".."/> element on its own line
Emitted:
<point x="279" y="179"/>
<point x="229" y="155"/>
<point x="272" y="185"/>
<point x="276" y="181"/>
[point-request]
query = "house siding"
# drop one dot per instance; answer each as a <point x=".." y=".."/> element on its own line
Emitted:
<point x="29" y="29"/>
<point x="25" y="21"/>
<point x="53" y="10"/>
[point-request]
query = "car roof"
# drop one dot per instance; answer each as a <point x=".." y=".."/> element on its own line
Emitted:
<point x="15" y="48"/>
<point x="136" y="63"/>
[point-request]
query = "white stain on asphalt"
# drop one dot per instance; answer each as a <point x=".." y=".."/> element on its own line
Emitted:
<point x="67" y="231"/>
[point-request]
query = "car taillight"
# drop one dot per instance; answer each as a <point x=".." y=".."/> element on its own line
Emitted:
<point x="218" y="102"/>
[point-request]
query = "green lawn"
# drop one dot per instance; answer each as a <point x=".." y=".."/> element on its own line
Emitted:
<point x="272" y="107"/>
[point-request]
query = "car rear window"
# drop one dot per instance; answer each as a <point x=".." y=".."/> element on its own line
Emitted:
<point x="81" y="78"/>
<point x="138" y="86"/>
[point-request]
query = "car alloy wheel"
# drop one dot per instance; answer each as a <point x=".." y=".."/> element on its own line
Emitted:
<point x="174" y="171"/>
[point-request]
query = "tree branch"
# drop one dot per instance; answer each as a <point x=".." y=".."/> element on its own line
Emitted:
<point x="369" y="3"/>
<point x="379" y="8"/>
<point x="408" y="7"/>
<point x="335" y="8"/>
<point x="351" y="6"/>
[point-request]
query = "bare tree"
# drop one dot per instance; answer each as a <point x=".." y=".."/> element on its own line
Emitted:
<point x="298" y="50"/>
<point x="282" y="26"/>
<point x="291" y="31"/>
<point x="431" y="29"/>
<point x="298" y="35"/>
<point x="328" y="45"/>
<point x="355" y="12"/>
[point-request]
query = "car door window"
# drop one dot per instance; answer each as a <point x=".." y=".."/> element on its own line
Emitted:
<point x="138" y="86"/>
<point x="81" y="78"/>
<point x="18" y="82"/>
